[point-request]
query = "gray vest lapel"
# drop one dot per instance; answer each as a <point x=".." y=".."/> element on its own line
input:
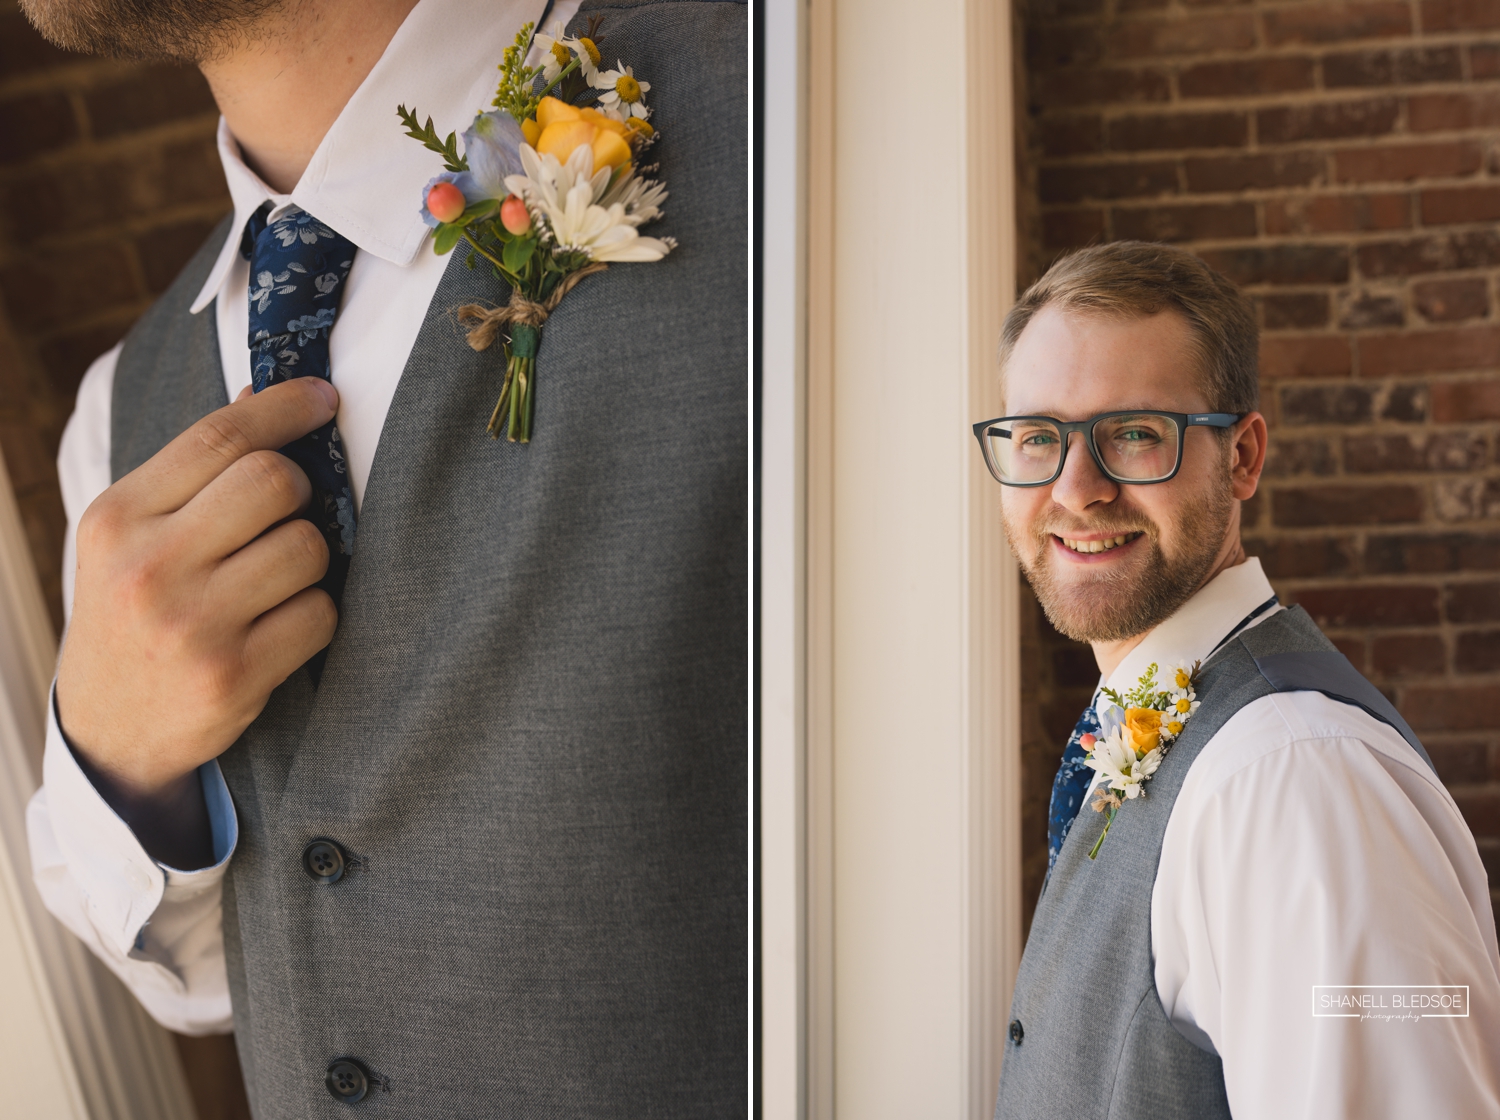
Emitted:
<point x="154" y="400"/>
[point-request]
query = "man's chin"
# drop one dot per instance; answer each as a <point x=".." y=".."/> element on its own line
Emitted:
<point x="1085" y="620"/>
<point x="1107" y="596"/>
<point x="1091" y="605"/>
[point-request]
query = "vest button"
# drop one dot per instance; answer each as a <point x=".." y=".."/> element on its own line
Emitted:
<point x="1017" y="1032"/>
<point x="323" y="860"/>
<point x="348" y="1080"/>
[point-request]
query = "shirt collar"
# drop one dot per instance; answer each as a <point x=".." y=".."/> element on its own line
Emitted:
<point x="1199" y="625"/>
<point x="365" y="179"/>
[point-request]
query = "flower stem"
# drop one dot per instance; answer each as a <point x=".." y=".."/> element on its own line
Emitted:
<point x="1094" y="851"/>
<point x="518" y="399"/>
<point x="561" y="74"/>
<point x="515" y="281"/>
<point x="496" y="423"/>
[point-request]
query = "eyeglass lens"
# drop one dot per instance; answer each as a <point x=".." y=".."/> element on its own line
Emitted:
<point x="1138" y="447"/>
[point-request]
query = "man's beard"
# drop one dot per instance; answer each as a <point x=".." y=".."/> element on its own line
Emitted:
<point x="186" y="30"/>
<point x="1114" y="605"/>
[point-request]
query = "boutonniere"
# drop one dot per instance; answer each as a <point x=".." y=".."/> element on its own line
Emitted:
<point x="549" y="189"/>
<point x="1136" y="732"/>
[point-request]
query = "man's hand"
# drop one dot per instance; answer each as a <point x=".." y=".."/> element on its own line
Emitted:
<point x="193" y="600"/>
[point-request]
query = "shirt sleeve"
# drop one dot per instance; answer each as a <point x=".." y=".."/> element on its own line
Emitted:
<point x="159" y="929"/>
<point x="1310" y="845"/>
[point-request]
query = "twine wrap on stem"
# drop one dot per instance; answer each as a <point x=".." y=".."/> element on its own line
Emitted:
<point x="488" y="320"/>
<point x="524" y="317"/>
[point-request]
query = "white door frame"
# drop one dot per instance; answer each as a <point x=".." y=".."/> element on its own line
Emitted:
<point x="889" y="730"/>
<point x="74" y="1044"/>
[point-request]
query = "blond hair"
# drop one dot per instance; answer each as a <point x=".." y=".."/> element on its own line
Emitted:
<point x="1131" y="279"/>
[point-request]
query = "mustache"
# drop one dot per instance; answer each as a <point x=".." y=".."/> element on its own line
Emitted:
<point x="1067" y="527"/>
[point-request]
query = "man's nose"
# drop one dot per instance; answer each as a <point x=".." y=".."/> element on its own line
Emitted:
<point x="1081" y="483"/>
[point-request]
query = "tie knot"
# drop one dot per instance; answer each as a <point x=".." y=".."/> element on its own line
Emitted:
<point x="298" y="267"/>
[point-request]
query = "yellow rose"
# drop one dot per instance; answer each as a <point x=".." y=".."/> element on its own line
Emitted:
<point x="565" y="129"/>
<point x="1144" y="726"/>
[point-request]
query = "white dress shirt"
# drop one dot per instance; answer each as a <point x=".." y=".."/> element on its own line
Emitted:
<point x="1310" y="844"/>
<point x="160" y="929"/>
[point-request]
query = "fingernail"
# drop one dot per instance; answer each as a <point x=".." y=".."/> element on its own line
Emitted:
<point x="330" y="394"/>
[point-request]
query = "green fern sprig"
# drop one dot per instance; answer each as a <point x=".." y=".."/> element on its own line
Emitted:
<point x="448" y="148"/>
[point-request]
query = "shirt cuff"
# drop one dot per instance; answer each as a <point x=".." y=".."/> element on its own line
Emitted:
<point x="122" y="883"/>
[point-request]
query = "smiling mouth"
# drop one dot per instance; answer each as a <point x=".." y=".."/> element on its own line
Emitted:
<point x="1099" y="546"/>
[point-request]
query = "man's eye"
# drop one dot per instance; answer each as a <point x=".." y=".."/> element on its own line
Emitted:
<point x="1136" y="435"/>
<point x="1038" y="439"/>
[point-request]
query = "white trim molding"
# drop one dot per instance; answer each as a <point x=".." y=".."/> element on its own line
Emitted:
<point x="781" y="602"/>
<point x="74" y="1044"/>
<point x="889" y="734"/>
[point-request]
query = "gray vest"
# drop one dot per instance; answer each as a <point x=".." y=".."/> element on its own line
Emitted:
<point x="1088" y="1035"/>
<point x="530" y="735"/>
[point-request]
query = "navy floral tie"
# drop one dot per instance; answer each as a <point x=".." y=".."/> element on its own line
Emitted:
<point x="298" y="267"/>
<point x="1070" y="785"/>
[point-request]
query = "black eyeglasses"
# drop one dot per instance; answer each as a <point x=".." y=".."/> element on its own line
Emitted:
<point x="1137" y="448"/>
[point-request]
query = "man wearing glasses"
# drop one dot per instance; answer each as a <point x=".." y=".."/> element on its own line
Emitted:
<point x="1236" y="945"/>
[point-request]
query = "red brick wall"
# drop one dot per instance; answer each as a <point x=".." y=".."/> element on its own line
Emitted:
<point x="1340" y="161"/>
<point x="108" y="182"/>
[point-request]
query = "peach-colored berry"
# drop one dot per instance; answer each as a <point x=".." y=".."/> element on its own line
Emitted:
<point x="445" y="202"/>
<point x="513" y="215"/>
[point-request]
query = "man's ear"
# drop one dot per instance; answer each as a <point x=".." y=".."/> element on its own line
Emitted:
<point x="1247" y="454"/>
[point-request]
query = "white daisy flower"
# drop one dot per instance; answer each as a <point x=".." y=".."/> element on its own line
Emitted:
<point x="623" y="95"/>
<point x="641" y="198"/>
<point x="566" y="198"/>
<point x="1117" y="768"/>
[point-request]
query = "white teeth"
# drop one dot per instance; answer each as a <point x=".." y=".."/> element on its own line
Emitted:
<point x="1096" y="546"/>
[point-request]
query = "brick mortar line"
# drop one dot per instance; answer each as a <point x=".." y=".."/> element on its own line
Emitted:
<point x="1255" y="102"/>
<point x="84" y="74"/>
<point x="119" y="313"/>
<point x="201" y="127"/>
<point x="1174" y="63"/>
<point x="1416" y="379"/>
<point x="1328" y="148"/>
<point x="1246" y="198"/>
<point x="1314" y="53"/>
<point x="1367" y="579"/>
<point x="1272" y="241"/>
<point x="1257" y="12"/>
<point x="1356" y="334"/>
<point x="115" y="231"/>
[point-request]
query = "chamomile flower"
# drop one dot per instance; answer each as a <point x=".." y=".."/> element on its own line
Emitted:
<point x="1182" y="706"/>
<point x="553" y="51"/>
<point x="623" y="94"/>
<point x="588" y="57"/>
